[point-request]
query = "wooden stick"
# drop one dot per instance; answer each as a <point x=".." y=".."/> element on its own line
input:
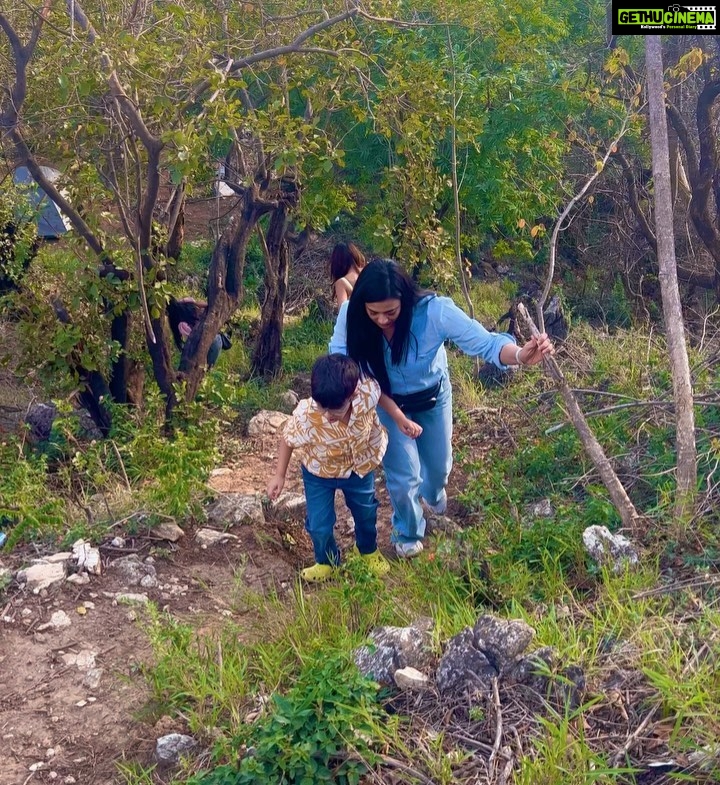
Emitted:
<point x="593" y="448"/>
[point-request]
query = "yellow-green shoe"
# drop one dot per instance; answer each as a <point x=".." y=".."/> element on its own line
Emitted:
<point x="318" y="573"/>
<point x="376" y="563"/>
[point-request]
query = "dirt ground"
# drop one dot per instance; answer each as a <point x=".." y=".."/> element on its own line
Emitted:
<point x="60" y="721"/>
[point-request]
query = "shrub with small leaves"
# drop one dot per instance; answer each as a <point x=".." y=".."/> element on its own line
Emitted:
<point x="321" y="731"/>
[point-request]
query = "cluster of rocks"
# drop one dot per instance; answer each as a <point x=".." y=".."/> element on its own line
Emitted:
<point x="74" y="566"/>
<point x="494" y="648"/>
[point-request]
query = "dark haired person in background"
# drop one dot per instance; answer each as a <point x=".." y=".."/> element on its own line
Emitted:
<point x="396" y="332"/>
<point x="346" y="263"/>
<point x="183" y="316"/>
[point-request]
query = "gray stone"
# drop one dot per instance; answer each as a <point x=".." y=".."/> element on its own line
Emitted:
<point x="266" y="423"/>
<point x="168" y="749"/>
<point x="236" y="509"/>
<point x="502" y="640"/>
<point x="148" y="582"/>
<point x="79" y="578"/>
<point x="534" y="670"/>
<point x="290" y="399"/>
<point x="93" y="678"/>
<point x="168" y="531"/>
<point x="56" y="558"/>
<point x="131" y="570"/>
<point x="463" y="664"/>
<point x="129" y="598"/>
<point x="394" y="648"/>
<point x="40" y="418"/>
<point x="209" y="537"/>
<point x="441" y="524"/>
<point x="540" y="509"/>
<point x="42" y="576"/>
<point x="609" y="549"/>
<point x="290" y="505"/>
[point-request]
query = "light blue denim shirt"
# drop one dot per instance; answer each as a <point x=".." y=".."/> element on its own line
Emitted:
<point x="435" y="320"/>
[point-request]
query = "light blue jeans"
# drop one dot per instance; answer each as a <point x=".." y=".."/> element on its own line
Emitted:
<point x="418" y="467"/>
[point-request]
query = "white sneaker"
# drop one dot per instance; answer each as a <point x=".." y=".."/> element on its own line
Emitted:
<point x="441" y="507"/>
<point x="406" y="550"/>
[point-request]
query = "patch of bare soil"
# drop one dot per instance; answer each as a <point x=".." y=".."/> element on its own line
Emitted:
<point x="73" y="700"/>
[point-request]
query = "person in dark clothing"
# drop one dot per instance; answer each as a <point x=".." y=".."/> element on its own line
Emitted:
<point x="184" y="315"/>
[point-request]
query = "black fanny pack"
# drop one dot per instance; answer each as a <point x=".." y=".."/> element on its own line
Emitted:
<point x="420" y="401"/>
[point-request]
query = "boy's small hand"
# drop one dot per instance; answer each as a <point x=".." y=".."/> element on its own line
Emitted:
<point x="275" y="486"/>
<point x="409" y="428"/>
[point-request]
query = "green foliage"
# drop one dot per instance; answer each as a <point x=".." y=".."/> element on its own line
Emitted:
<point x="26" y="504"/>
<point x="322" y="730"/>
<point x="170" y="471"/>
<point x="18" y="232"/>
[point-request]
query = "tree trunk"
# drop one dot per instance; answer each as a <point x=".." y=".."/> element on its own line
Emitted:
<point x="119" y="331"/>
<point x="672" y="307"/>
<point x="224" y="292"/>
<point x="267" y="356"/>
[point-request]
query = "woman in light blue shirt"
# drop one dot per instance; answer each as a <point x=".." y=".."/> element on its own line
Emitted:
<point x="397" y="333"/>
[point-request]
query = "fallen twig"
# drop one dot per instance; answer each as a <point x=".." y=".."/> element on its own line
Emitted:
<point x="632" y="739"/>
<point x="691" y="583"/>
<point x="498" y="723"/>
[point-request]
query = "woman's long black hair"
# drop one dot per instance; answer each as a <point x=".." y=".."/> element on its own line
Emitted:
<point x="382" y="279"/>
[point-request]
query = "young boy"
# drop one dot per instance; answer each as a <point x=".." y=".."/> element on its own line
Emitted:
<point x="341" y="442"/>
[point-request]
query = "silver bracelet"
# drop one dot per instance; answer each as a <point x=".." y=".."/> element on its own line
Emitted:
<point x="518" y="349"/>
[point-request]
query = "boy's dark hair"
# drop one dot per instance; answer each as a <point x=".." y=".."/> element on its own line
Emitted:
<point x="333" y="380"/>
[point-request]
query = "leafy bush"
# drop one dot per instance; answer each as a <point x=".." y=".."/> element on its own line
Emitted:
<point x="26" y="505"/>
<point x="172" y="470"/>
<point x="321" y="731"/>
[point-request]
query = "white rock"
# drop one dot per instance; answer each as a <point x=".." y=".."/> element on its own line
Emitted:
<point x="221" y="471"/>
<point x="606" y="548"/>
<point x="41" y="576"/>
<point x="130" y="598"/>
<point x="58" y="620"/>
<point x="92" y="678"/>
<point x="88" y="558"/>
<point x="117" y="542"/>
<point x="410" y="679"/>
<point x="79" y="579"/>
<point x="211" y="537"/>
<point x="236" y="509"/>
<point x="290" y="399"/>
<point x="266" y="423"/>
<point x="148" y="581"/>
<point x="58" y="558"/>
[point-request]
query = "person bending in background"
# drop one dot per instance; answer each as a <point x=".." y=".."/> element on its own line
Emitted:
<point x="346" y="263"/>
<point x="397" y="332"/>
<point x="184" y="315"/>
<point x="341" y="442"/>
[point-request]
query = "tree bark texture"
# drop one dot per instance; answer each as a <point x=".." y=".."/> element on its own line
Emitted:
<point x="267" y="356"/>
<point x="672" y="307"/>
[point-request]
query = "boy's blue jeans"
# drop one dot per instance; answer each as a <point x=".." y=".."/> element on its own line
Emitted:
<point x="320" y="521"/>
